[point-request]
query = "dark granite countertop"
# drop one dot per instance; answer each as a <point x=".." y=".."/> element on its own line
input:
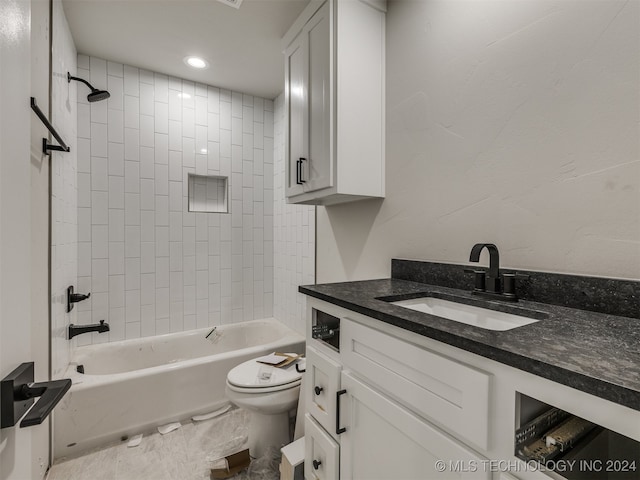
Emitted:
<point x="594" y="352"/>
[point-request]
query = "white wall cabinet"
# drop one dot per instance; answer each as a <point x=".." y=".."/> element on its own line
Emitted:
<point x="334" y="99"/>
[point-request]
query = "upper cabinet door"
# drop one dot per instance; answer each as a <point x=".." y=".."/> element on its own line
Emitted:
<point x="296" y="68"/>
<point x="317" y="170"/>
<point x="308" y="106"/>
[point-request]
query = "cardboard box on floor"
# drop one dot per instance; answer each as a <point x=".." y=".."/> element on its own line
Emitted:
<point x="292" y="463"/>
<point x="233" y="464"/>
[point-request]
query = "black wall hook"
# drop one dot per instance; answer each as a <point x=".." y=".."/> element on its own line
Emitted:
<point x="74" y="297"/>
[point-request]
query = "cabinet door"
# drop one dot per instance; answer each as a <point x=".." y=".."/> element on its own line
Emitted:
<point x="383" y="440"/>
<point x="308" y="101"/>
<point x="317" y="169"/>
<point x="296" y="67"/>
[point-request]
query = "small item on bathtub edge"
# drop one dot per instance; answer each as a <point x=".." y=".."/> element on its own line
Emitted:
<point x="134" y="441"/>
<point x="278" y="360"/>
<point x="230" y="465"/>
<point x="207" y="416"/>
<point x="168" y="428"/>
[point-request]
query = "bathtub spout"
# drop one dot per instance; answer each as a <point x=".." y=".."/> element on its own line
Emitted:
<point x="95" y="327"/>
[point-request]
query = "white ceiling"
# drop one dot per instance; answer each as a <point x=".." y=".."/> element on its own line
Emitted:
<point x="242" y="45"/>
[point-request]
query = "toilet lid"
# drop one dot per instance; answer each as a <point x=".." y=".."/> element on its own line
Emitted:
<point x="252" y="374"/>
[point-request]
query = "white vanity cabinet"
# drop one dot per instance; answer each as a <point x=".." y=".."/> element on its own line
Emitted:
<point x="392" y="403"/>
<point x="334" y="102"/>
<point x="375" y="407"/>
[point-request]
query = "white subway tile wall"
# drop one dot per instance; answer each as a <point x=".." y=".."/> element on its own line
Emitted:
<point x="152" y="266"/>
<point x="65" y="213"/>
<point x="293" y="234"/>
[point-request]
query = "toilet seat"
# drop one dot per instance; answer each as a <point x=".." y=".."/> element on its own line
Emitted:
<point x="254" y="377"/>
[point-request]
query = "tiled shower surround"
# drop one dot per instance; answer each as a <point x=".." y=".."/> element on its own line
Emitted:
<point x="294" y="239"/>
<point x="153" y="267"/>
<point x="64" y="192"/>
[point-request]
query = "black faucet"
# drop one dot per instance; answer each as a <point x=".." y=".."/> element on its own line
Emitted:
<point x="95" y="327"/>
<point x="491" y="285"/>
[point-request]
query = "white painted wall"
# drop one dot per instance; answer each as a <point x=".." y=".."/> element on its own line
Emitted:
<point x="293" y="238"/>
<point x="15" y="274"/>
<point x="64" y="191"/>
<point x="24" y="320"/>
<point x="513" y="122"/>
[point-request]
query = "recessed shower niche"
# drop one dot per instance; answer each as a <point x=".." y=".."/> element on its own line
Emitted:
<point x="208" y="193"/>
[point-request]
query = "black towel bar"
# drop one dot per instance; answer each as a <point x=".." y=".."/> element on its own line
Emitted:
<point x="46" y="146"/>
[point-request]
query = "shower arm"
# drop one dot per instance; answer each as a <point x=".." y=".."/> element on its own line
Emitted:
<point x="71" y="77"/>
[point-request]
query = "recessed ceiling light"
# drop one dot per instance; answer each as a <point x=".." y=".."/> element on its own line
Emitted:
<point x="196" y="62"/>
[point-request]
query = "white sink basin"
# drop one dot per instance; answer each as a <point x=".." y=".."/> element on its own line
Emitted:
<point x="460" y="312"/>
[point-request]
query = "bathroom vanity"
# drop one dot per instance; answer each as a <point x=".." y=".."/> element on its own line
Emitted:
<point x="392" y="392"/>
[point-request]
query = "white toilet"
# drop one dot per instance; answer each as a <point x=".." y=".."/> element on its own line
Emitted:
<point x="269" y="394"/>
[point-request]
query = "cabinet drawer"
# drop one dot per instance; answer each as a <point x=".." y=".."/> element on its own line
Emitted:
<point x="450" y="394"/>
<point x="321" y="384"/>
<point x="322" y="454"/>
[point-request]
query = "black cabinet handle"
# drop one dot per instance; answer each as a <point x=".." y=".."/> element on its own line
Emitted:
<point x="299" y="179"/>
<point x="316" y="464"/>
<point x="318" y="390"/>
<point x="338" y="429"/>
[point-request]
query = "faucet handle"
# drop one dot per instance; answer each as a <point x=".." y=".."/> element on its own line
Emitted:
<point x="509" y="283"/>
<point x="480" y="278"/>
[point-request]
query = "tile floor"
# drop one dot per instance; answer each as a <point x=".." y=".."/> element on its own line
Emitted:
<point x="183" y="454"/>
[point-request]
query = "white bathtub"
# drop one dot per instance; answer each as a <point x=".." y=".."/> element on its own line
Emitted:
<point x="134" y="385"/>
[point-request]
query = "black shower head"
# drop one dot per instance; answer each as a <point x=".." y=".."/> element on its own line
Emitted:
<point x="95" y="95"/>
